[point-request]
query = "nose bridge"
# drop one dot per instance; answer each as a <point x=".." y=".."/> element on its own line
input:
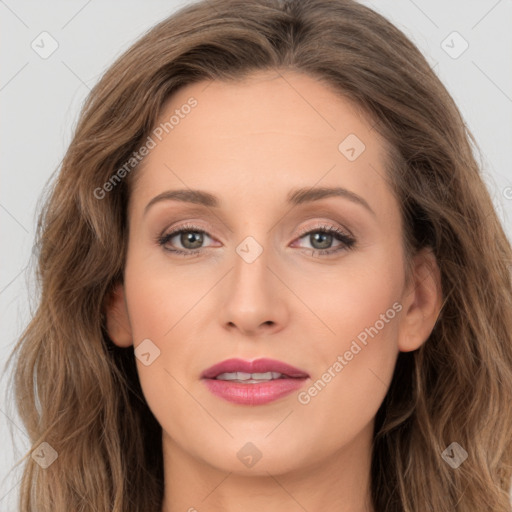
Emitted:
<point x="250" y="273"/>
<point x="253" y="299"/>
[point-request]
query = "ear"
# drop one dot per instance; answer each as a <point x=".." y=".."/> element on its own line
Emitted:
<point x="422" y="302"/>
<point x="118" y="322"/>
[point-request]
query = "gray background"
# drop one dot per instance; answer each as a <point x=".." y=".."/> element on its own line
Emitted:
<point x="40" y="98"/>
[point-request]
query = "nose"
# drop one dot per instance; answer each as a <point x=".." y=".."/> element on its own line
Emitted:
<point x="254" y="298"/>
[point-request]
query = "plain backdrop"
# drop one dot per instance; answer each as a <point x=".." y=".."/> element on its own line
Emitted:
<point x="41" y="95"/>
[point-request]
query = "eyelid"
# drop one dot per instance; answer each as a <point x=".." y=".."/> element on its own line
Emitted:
<point x="188" y="226"/>
<point x="323" y="224"/>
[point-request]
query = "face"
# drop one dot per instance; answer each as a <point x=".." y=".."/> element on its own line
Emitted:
<point x="292" y="252"/>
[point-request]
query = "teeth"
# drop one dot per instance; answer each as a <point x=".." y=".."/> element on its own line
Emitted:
<point x="249" y="377"/>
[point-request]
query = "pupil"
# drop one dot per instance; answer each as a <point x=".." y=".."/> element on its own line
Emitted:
<point x="194" y="238"/>
<point x="325" y="240"/>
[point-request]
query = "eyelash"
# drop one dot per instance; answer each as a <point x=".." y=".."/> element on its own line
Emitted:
<point x="348" y="242"/>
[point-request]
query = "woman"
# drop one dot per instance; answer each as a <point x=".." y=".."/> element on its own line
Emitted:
<point x="271" y="277"/>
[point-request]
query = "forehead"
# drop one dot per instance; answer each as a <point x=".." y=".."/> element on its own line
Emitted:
<point x="261" y="136"/>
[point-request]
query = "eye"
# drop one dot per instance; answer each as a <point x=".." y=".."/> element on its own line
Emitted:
<point x="322" y="238"/>
<point x="191" y="239"/>
<point x="188" y="240"/>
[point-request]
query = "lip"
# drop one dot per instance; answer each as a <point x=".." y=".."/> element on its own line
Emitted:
<point x="262" y="365"/>
<point x="255" y="393"/>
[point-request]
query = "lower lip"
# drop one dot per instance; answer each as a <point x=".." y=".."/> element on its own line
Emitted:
<point x="253" y="394"/>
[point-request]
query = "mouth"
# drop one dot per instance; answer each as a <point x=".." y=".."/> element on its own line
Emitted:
<point x="253" y="382"/>
<point x="251" y="378"/>
<point x="250" y="372"/>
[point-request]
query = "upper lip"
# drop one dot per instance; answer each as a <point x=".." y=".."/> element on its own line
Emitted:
<point x="257" y="366"/>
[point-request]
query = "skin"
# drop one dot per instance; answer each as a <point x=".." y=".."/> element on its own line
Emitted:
<point x="249" y="143"/>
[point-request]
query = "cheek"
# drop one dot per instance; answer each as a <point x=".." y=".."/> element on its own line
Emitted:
<point x="360" y="301"/>
<point x="356" y="345"/>
<point x="158" y="312"/>
<point x="161" y="296"/>
<point x="164" y="306"/>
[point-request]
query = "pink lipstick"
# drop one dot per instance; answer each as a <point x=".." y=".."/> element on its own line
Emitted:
<point x="253" y="382"/>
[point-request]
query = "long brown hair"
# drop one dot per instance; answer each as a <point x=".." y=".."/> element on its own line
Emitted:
<point x="79" y="393"/>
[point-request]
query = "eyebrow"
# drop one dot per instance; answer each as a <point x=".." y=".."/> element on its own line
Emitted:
<point x="295" y="197"/>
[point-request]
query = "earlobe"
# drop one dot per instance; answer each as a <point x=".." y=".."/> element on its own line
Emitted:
<point x="423" y="302"/>
<point x="117" y="319"/>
